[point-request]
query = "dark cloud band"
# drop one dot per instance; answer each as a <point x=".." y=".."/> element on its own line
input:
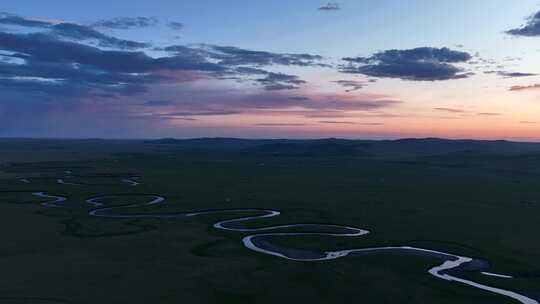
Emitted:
<point x="530" y="29"/>
<point x="126" y="23"/>
<point x="418" y="64"/>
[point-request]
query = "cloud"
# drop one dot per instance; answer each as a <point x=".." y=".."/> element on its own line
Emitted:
<point x="280" y="124"/>
<point x="368" y="103"/>
<point x="271" y="81"/>
<point x="330" y="6"/>
<point x="9" y="19"/>
<point x="489" y="114"/>
<point x="126" y="23"/>
<point x="276" y="103"/>
<point x="527" y="122"/>
<point x="279" y="81"/>
<point x="530" y="29"/>
<point x="505" y="74"/>
<point x="73" y="32"/>
<point x="183" y="118"/>
<point x="517" y="88"/>
<point x="450" y="110"/>
<point x="60" y="71"/>
<point x="80" y="33"/>
<point x="460" y="111"/>
<point x="199" y="113"/>
<point x="242" y="62"/>
<point x="351" y="123"/>
<point x="78" y="66"/>
<point x="337" y="122"/>
<point x="373" y="123"/>
<point x="299" y="98"/>
<point x="159" y="103"/>
<point x="324" y="105"/>
<point x="86" y="69"/>
<point x="113" y="68"/>
<point x="418" y="64"/>
<point x="512" y="58"/>
<point x="516" y="74"/>
<point x="124" y="116"/>
<point x="233" y="56"/>
<point x="176" y="26"/>
<point x="352" y="85"/>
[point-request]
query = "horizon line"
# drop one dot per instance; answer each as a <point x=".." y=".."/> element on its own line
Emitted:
<point x="516" y="140"/>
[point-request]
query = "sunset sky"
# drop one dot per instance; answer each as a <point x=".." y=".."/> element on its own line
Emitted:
<point x="271" y="69"/>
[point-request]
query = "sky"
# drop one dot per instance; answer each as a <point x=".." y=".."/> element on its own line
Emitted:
<point x="370" y="69"/>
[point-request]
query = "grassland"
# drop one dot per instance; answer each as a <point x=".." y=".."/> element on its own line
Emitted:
<point x="477" y="201"/>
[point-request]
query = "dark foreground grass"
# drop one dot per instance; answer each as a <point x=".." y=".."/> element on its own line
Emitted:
<point x="473" y="204"/>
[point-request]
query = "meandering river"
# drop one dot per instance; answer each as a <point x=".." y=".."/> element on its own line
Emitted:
<point x="259" y="239"/>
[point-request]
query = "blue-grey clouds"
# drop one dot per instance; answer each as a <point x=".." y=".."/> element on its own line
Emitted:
<point x="418" y="64"/>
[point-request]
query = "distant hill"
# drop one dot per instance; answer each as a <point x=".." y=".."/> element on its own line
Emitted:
<point x="345" y="147"/>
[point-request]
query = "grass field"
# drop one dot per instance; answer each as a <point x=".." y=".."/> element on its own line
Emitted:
<point x="478" y="202"/>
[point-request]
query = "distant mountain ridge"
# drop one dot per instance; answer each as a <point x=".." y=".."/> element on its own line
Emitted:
<point x="336" y="146"/>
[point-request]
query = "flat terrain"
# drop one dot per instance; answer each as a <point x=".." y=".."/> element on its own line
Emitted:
<point x="477" y="199"/>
